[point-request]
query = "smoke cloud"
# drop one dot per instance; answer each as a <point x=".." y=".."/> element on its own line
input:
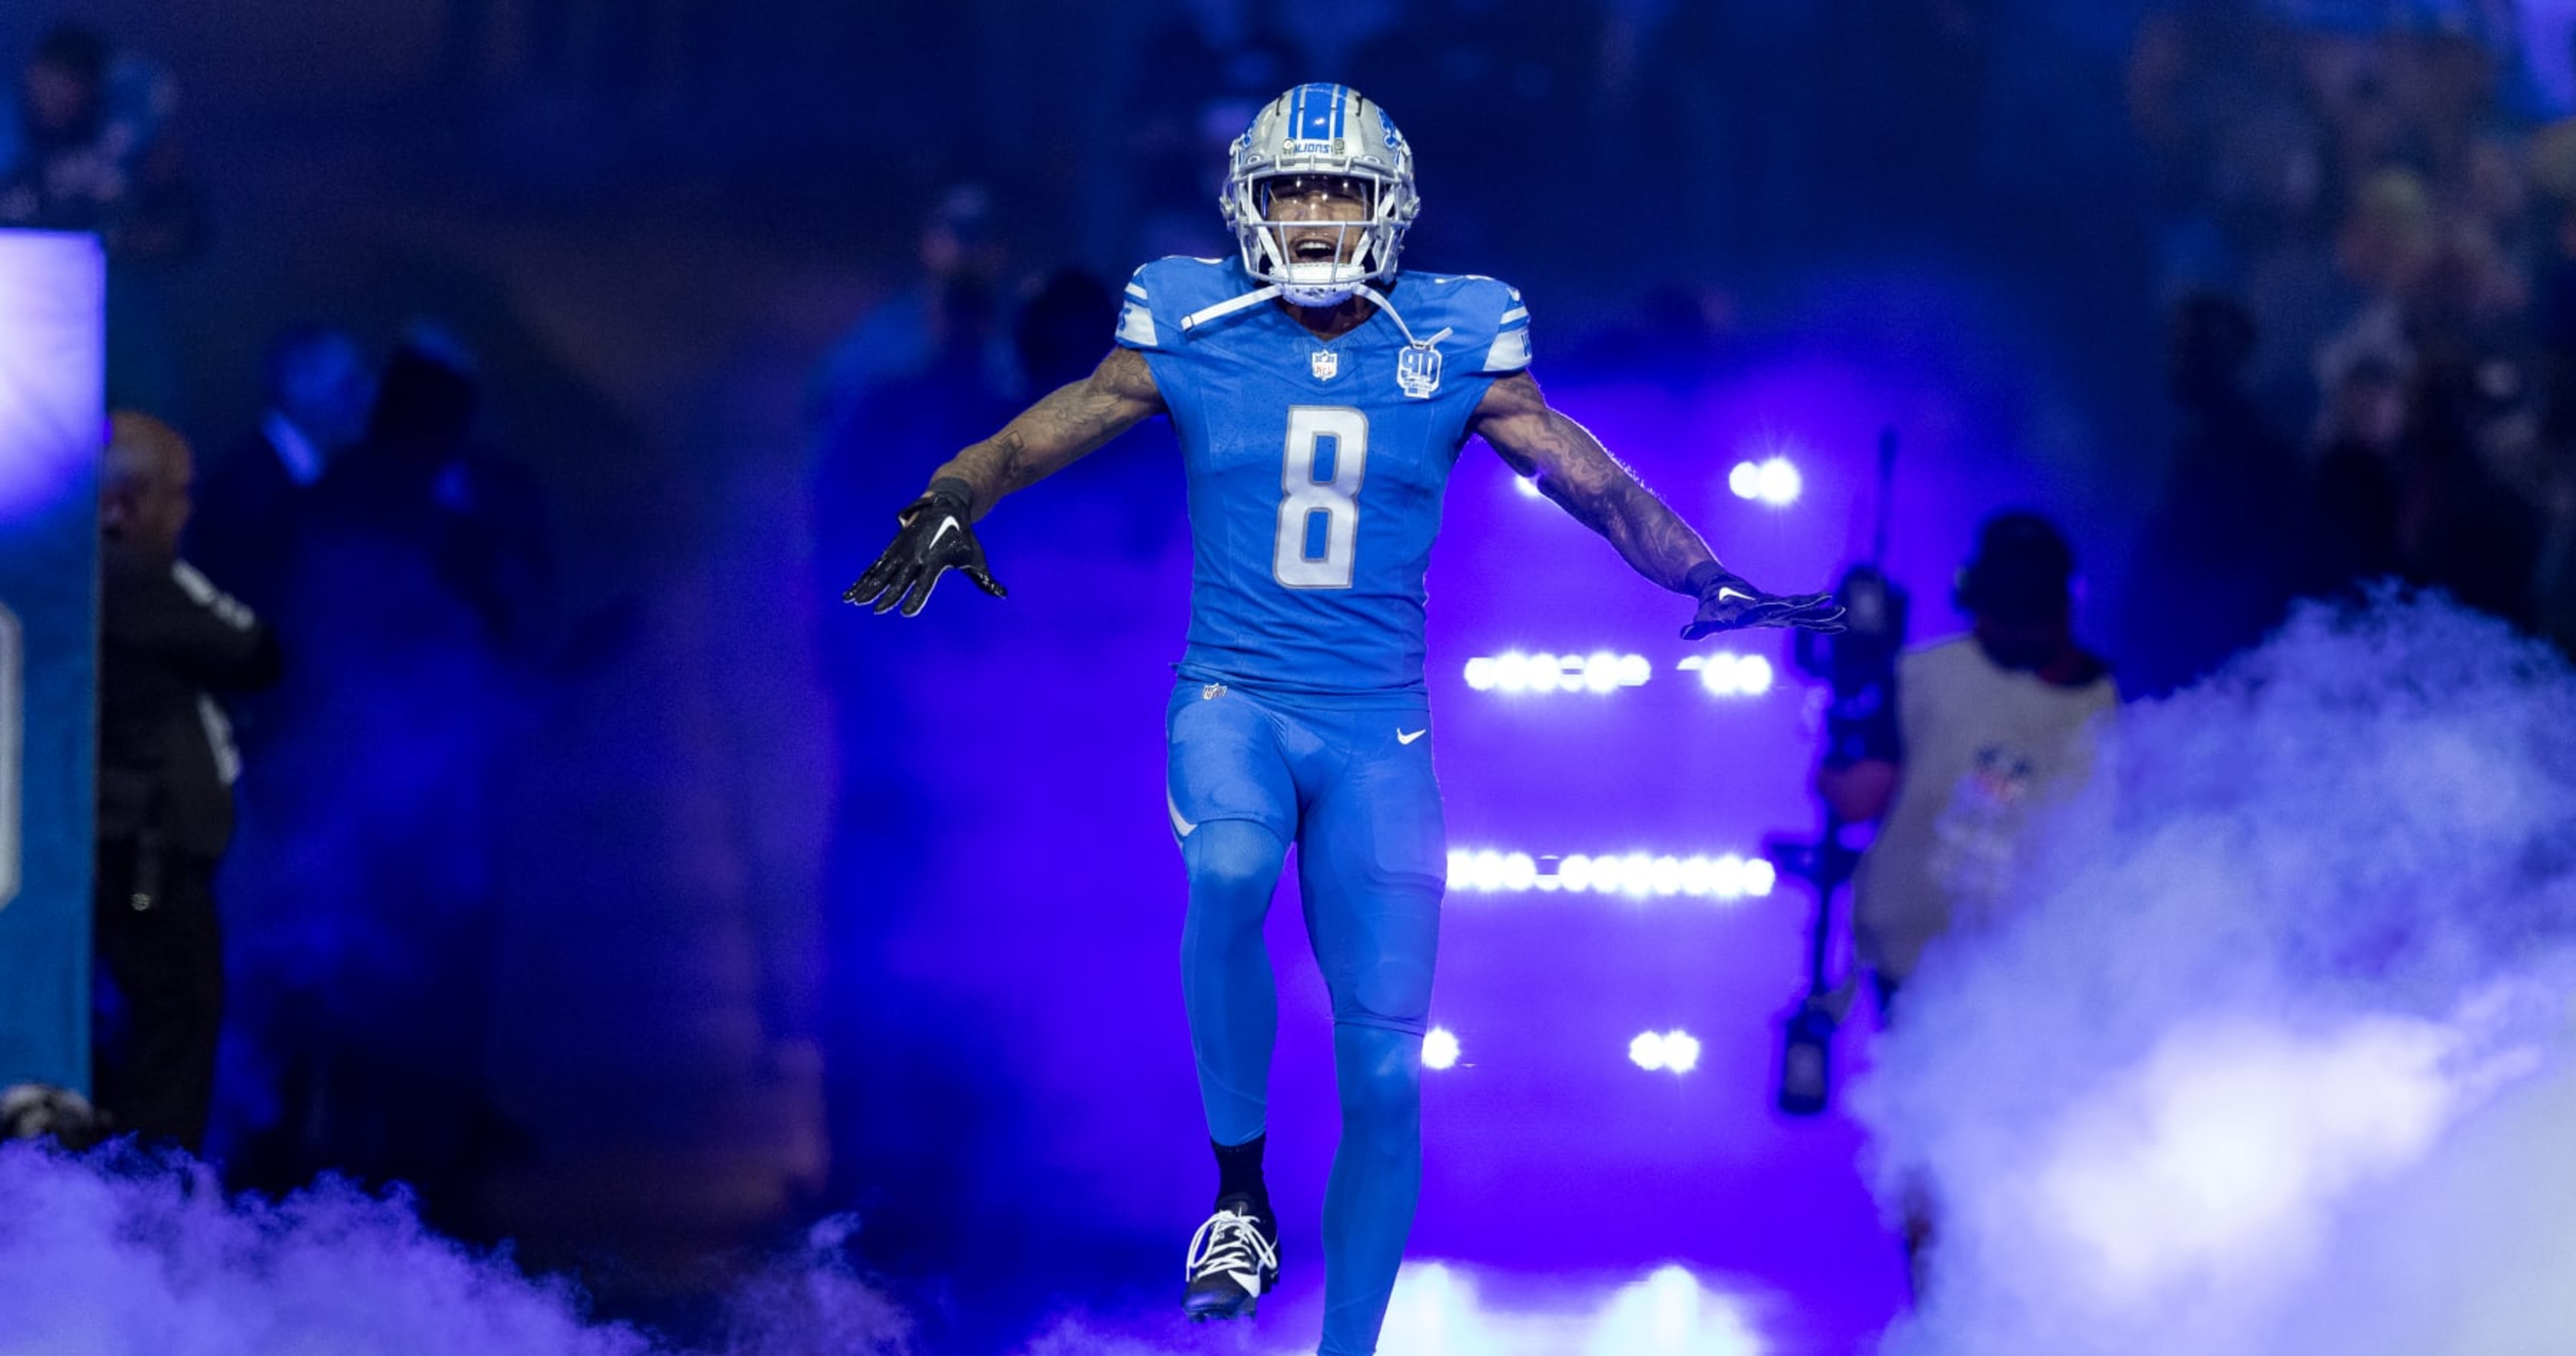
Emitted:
<point x="123" y="1253"/>
<point x="120" y="1252"/>
<point x="2277" y="1056"/>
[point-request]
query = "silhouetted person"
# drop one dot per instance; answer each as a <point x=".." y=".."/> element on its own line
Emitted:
<point x="166" y="766"/>
<point x="419" y="584"/>
<point x="2458" y="527"/>
<point x="960" y="260"/>
<point x="251" y="504"/>
<point x="2353" y="487"/>
<point x="420" y="476"/>
<point x="2216" y="564"/>
<point x="864" y="459"/>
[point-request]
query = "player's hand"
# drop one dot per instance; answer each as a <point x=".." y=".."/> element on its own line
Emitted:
<point x="936" y="536"/>
<point x="1727" y="602"/>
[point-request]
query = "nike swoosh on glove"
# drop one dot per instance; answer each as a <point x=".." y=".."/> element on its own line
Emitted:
<point x="1727" y="602"/>
<point x="936" y="535"/>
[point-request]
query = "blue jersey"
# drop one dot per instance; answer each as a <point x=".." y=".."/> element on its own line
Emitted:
<point x="1316" y="467"/>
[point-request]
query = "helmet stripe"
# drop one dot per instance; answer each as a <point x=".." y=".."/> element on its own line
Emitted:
<point x="1319" y="113"/>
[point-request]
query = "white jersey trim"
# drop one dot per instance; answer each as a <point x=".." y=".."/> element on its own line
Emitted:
<point x="1136" y="326"/>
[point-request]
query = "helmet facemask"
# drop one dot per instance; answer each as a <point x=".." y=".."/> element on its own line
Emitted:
<point x="1320" y="215"/>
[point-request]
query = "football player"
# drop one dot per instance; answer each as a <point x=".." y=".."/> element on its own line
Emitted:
<point x="1321" y="396"/>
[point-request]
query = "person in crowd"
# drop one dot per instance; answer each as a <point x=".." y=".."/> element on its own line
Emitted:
<point x="170" y="642"/>
<point x="89" y="146"/>
<point x="1958" y="766"/>
<point x="251" y="501"/>
<point x="2227" y="532"/>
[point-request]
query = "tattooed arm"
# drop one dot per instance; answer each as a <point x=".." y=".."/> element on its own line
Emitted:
<point x="1063" y="425"/>
<point x="1574" y="469"/>
<point x="934" y="533"/>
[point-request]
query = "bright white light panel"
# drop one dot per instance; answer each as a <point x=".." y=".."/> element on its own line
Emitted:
<point x="1638" y="875"/>
<point x="1723" y="673"/>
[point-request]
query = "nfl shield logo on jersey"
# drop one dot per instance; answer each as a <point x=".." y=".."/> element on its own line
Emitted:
<point x="1417" y="370"/>
<point x="1326" y="363"/>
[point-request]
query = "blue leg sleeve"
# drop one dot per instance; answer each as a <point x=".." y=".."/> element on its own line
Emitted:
<point x="1377" y="1176"/>
<point x="1226" y="983"/>
<point x="1373" y="861"/>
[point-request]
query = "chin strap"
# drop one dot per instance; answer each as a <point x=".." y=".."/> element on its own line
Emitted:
<point x="1228" y="307"/>
<point x="1237" y="305"/>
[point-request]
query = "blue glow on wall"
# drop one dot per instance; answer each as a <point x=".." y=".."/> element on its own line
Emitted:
<point x="52" y="342"/>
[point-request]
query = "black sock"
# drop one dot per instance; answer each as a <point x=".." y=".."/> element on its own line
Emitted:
<point x="1238" y="1173"/>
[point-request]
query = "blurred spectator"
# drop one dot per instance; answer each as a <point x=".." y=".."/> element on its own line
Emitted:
<point x="1983" y="733"/>
<point x="864" y="459"/>
<point x="2459" y="527"/>
<point x="249" y="505"/>
<point x="2382" y="248"/>
<point x="419" y="597"/>
<point x="1213" y="68"/>
<point x="420" y="477"/>
<point x="2219" y="557"/>
<point x="960" y="262"/>
<point x="2353" y="486"/>
<point x="86" y="148"/>
<point x="165" y="777"/>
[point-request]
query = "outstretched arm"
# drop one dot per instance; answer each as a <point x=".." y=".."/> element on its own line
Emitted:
<point x="1571" y="467"/>
<point x="936" y="534"/>
<point x="1056" y="431"/>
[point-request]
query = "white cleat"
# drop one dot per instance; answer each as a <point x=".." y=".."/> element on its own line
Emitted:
<point x="1234" y="1258"/>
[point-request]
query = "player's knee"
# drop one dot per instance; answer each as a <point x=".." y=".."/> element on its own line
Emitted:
<point x="1230" y="857"/>
<point x="1381" y="1075"/>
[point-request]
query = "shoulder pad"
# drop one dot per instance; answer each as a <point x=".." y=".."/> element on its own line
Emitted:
<point x="1162" y="292"/>
<point x="1485" y="316"/>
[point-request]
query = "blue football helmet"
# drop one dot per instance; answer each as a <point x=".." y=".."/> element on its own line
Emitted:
<point x="1320" y="130"/>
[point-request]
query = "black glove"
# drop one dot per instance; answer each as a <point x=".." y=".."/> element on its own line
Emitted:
<point x="1727" y="602"/>
<point x="937" y="536"/>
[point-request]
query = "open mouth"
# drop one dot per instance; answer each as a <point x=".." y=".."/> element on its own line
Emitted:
<point x="1315" y="250"/>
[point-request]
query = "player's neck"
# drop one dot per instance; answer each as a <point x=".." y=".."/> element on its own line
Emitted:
<point x="1334" y="321"/>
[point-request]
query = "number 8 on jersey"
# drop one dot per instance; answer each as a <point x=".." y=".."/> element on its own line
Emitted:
<point x="1319" y="510"/>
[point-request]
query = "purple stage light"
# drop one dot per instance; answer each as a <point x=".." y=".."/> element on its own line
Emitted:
<point x="1439" y="1048"/>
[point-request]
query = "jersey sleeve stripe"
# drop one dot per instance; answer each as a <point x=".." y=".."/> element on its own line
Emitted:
<point x="1136" y="327"/>
<point x="1510" y="353"/>
<point x="1516" y="313"/>
<point x="1138" y="292"/>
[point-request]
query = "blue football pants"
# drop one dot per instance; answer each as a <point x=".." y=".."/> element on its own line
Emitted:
<point x="1354" y="790"/>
